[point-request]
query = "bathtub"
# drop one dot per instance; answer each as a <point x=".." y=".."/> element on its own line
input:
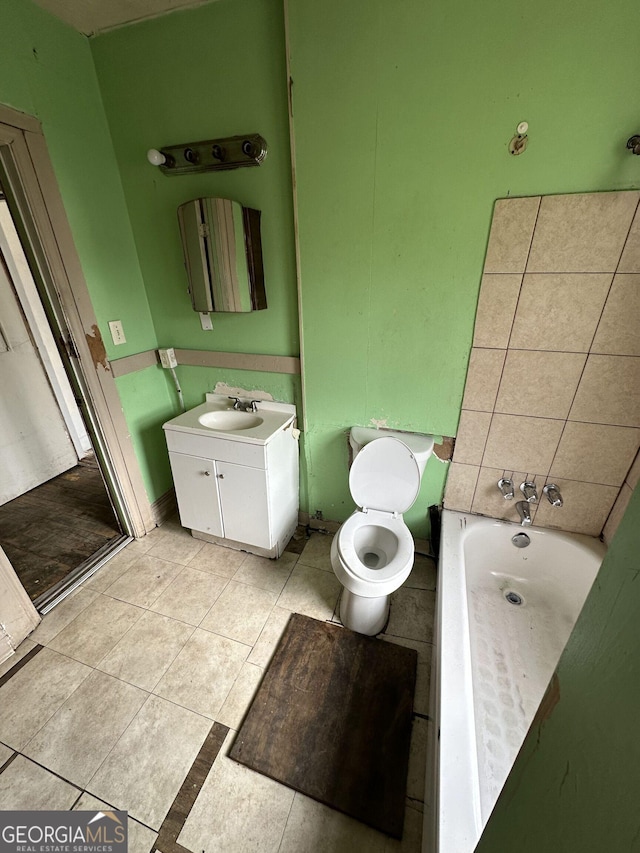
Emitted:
<point x="504" y="615"/>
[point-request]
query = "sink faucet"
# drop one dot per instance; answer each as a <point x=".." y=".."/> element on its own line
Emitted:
<point x="244" y="405"/>
<point x="524" y="512"/>
<point x="528" y="489"/>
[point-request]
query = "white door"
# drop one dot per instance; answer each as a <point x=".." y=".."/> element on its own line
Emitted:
<point x="34" y="443"/>
<point x="245" y="504"/>
<point x="197" y="493"/>
<point x="18" y="616"/>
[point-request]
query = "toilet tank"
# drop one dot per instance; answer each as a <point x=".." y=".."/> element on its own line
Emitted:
<point x="420" y="445"/>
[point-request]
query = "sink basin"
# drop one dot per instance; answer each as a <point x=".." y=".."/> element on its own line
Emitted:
<point x="229" y="420"/>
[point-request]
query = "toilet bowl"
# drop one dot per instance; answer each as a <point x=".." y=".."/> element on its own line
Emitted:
<point x="372" y="552"/>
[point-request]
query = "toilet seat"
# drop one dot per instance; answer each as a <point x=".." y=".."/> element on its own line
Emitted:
<point x="366" y="581"/>
<point x="385" y="476"/>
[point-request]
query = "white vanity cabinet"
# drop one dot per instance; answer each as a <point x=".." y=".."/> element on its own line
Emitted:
<point x="236" y="490"/>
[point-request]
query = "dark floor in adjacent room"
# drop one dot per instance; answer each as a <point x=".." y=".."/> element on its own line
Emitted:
<point x="55" y="527"/>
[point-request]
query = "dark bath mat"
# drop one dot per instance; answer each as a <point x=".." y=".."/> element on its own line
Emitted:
<point x="332" y="719"/>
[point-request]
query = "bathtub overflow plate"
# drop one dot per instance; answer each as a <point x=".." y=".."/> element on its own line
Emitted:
<point x="513" y="597"/>
<point x="520" y="540"/>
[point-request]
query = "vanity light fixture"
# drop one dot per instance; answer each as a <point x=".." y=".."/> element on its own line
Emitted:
<point x="231" y="152"/>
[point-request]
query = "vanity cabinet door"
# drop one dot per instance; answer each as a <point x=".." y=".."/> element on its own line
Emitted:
<point x="245" y="505"/>
<point x="197" y="493"/>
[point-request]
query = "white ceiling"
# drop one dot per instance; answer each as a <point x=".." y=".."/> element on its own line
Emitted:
<point x="95" y="16"/>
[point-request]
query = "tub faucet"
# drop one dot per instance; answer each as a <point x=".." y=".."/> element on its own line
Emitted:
<point x="528" y="489"/>
<point x="506" y="488"/>
<point x="524" y="512"/>
<point x="553" y="494"/>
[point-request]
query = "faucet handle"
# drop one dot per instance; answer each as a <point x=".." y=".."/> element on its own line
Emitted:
<point x="506" y="487"/>
<point x="553" y="494"/>
<point x="236" y="402"/>
<point x="253" y="406"/>
<point x="529" y="491"/>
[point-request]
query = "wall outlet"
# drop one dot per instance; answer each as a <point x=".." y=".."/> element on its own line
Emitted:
<point x="117" y="332"/>
<point x="168" y="357"/>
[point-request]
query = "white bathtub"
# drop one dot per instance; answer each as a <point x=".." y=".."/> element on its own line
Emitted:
<point x="493" y="659"/>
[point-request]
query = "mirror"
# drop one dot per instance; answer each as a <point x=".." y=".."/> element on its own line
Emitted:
<point x="223" y="255"/>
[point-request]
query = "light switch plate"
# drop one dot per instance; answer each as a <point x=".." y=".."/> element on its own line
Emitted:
<point x="117" y="332"/>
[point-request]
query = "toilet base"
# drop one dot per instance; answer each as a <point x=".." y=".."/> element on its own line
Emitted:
<point x="364" y="615"/>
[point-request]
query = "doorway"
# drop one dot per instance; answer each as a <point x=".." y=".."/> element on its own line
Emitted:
<point x="55" y="509"/>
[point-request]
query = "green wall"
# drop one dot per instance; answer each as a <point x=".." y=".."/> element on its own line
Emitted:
<point x="574" y="786"/>
<point x="46" y="70"/>
<point x="402" y="117"/>
<point x="218" y="70"/>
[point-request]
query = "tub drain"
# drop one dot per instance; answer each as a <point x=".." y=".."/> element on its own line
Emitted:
<point x="513" y="598"/>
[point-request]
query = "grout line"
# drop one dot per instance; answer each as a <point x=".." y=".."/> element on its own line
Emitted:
<point x="184" y="801"/>
<point x="20" y="663"/>
<point x="9" y="761"/>
<point x="284" y="828"/>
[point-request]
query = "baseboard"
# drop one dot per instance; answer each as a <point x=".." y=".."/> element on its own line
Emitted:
<point x="165" y="507"/>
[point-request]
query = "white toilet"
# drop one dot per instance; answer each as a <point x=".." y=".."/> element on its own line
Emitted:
<point x="372" y="552"/>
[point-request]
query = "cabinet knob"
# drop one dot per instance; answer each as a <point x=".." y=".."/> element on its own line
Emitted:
<point x="207" y="473"/>
<point x="221" y="476"/>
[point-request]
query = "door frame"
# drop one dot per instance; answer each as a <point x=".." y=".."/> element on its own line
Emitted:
<point x="33" y="194"/>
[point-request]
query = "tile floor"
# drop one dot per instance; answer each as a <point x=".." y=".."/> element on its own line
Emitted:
<point x="166" y="641"/>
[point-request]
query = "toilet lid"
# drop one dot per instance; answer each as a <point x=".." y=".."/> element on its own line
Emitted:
<point x="385" y="476"/>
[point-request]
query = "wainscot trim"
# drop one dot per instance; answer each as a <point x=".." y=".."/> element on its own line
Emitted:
<point x="206" y="358"/>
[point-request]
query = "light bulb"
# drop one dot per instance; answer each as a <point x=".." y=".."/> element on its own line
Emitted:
<point x="155" y="157"/>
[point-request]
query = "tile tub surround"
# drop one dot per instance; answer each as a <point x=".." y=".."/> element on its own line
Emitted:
<point x="553" y="384"/>
<point x="173" y="675"/>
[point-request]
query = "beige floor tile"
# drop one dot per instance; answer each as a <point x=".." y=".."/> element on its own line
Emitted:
<point x="608" y="391"/>
<point x="204" y="672"/>
<point x="237" y="810"/>
<point x="423" y="672"/>
<point x="539" y="384"/>
<point x="27" y="787"/>
<point x="313" y="827"/>
<point x="144" y="581"/>
<point x="190" y="596"/>
<point x="267" y="574"/>
<point x="5" y="754"/>
<point x="240" y="612"/>
<point x="239" y="699"/>
<point x="96" y="630"/>
<point x="140" y="839"/>
<point x="34" y="694"/>
<point x="582" y="232"/>
<point x="79" y="736"/>
<point x="511" y="231"/>
<point x="269" y="638"/>
<point x="23" y="649"/>
<point x="416" y="776"/>
<point x="317" y="552"/>
<point x="176" y="547"/>
<point x="412" y="614"/>
<point x="411" y="834"/>
<point x="218" y="560"/>
<point x="312" y="592"/>
<point x="144" y="771"/>
<point x="147" y="650"/>
<point x="423" y="573"/>
<point x="62" y="614"/>
<point x="114" y="568"/>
